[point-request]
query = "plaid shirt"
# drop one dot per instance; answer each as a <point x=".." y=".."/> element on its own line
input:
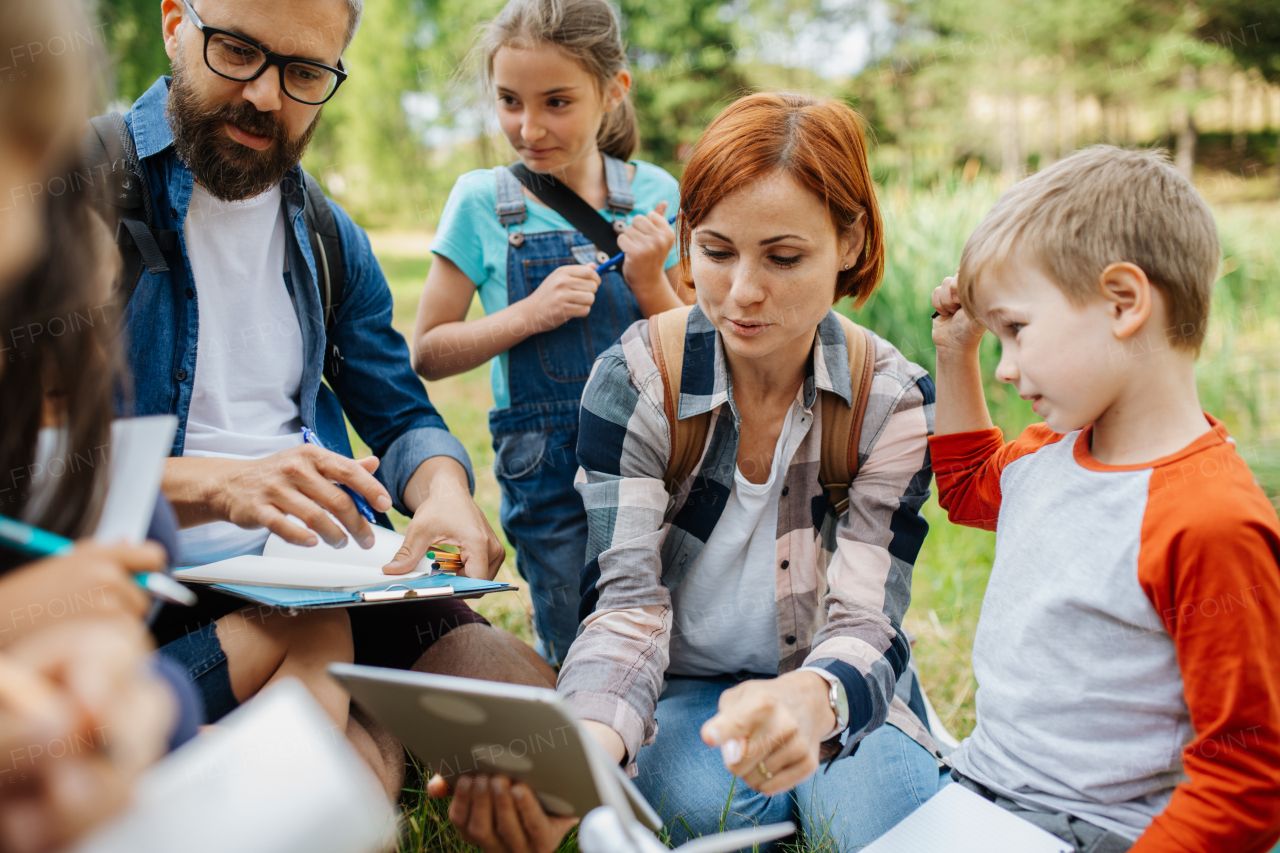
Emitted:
<point x="841" y="585"/>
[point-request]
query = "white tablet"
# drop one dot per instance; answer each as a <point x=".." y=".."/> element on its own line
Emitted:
<point x="462" y="725"/>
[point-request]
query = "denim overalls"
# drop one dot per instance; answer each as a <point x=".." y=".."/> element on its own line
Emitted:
<point x="535" y="439"/>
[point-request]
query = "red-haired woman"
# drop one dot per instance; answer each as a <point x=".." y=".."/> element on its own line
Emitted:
<point x="740" y="610"/>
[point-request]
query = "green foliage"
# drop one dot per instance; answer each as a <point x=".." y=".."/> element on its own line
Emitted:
<point x="365" y="135"/>
<point x="1250" y="29"/>
<point x="134" y="43"/>
<point x="684" y="59"/>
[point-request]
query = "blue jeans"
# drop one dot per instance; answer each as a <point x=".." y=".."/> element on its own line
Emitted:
<point x="855" y="802"/>
<point x="543" y="518"/>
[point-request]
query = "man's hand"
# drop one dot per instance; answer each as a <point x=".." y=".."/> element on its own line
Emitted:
<point x="955" y="334"/>
<point x="501" y="816"/>
<point x="769" y="730"/>
<point x="263" y="492"/>
<point x="445" y="514"/>
<point x="87" y="683"/>
<point x="647" y="242"/>
<point x="92" y="581"/>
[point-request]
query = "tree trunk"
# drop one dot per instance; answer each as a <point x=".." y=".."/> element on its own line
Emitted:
<point x="1185" y="124"/>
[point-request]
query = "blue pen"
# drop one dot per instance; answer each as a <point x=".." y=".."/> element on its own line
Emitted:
<point x="617" y="259"/>
<point x="309" y="437"/>
<point x="41" y="543"/>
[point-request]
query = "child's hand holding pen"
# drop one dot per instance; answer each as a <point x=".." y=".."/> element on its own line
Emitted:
<point x="953" y="330"/>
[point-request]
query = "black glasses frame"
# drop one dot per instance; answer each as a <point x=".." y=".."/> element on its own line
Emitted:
<point x="271" y="59"/>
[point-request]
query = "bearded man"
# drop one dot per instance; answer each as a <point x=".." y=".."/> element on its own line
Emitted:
<point x="232" y="340"/>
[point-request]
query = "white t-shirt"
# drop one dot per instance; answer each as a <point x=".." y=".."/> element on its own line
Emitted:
<point x="248" y="375"/>
<point x="725" y="613"/>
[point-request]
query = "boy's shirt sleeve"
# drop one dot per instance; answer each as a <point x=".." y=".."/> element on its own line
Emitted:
<point x="1211" y="569"/>
<point x="968" y="466"/>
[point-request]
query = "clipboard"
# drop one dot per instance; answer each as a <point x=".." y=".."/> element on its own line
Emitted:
<point x="418" y="589"/>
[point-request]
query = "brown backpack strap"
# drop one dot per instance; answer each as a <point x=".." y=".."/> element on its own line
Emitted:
<point x="841" y="424"/>
<point x="666" y="336"/>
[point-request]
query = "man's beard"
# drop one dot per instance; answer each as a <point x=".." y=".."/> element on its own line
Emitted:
<point x="228" y="170"/>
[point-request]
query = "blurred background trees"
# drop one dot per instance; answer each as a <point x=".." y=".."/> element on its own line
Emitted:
<point x="965" y="86"/>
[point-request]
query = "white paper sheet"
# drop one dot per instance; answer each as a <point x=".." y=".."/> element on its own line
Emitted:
<point x="139" y="447"/>
<point x="278" y="777"/>
<point x="293" y="574"/>
<point x="956" y="820"/>
<point x="386" y="544"/>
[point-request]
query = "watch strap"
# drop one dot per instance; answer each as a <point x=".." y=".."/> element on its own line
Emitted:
<point x="836" y="695"/>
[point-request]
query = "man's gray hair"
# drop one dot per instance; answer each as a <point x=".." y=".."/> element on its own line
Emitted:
<point x="355" y="8"/>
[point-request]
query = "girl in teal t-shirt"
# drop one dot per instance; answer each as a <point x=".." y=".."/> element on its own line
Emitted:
<point x="557" y="70"/>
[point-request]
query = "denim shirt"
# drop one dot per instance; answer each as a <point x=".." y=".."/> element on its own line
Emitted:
<point x="375" y="384"/>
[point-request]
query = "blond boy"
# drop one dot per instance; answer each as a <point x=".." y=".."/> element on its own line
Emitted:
<point x="1128" y="651"/>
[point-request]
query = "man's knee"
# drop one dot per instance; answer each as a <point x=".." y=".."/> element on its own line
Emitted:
<point x="483" y="652"/>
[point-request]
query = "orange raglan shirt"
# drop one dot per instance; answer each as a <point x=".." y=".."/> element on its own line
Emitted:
<point x="1128" y="650"/>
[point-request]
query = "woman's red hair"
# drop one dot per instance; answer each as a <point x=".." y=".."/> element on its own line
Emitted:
<point x="819" y="142"/>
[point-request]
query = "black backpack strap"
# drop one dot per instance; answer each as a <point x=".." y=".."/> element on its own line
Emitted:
<point x="571" y="206"/>
<point x="326" y="246"/>
<point x="114" y="171"/>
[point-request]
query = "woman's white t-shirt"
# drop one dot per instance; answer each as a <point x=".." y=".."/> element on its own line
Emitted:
<point x="725" y="612"/>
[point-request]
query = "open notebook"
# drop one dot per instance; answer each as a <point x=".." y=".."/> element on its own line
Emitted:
<point x="319" y="567"/>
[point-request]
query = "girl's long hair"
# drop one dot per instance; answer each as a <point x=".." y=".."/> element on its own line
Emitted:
<point x="62" y="366"/>
<point x="586" y="30"/>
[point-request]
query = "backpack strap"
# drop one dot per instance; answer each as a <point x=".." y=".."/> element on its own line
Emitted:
<point x="842" y="424"/>
<point x="688" y="436"/>
<point x="326" y="246"/>
<point x="112" y="166"/>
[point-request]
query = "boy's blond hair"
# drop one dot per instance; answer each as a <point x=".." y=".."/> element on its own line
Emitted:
<point x="1100" y="206"/>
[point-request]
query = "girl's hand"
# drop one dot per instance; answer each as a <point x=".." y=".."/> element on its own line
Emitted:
<point x="85" y="682"/>
<point x="954" y="333"/>
<point x="568" y="292"/>
<point x="647" y="242"/>
<point x="501" y="816"/>
<point x="769" y="730"/>
<point x="93" y="580"/>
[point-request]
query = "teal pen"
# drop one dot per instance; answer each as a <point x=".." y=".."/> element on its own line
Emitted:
<point x="617" y="259"/>
<point x="41" y="543"/>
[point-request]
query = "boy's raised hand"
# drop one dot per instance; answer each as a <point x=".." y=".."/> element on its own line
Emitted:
<point x="954" y="332"/>
<point x="961" y="403"/>
<point x="568" y="292"/>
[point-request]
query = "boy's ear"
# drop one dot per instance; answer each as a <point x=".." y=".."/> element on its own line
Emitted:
<point x="1127" y="291"/>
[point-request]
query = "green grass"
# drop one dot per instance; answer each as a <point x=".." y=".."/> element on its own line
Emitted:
<point x="1238" y="375"/>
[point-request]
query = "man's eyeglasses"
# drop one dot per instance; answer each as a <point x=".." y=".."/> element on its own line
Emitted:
<point x="236" y="58"/>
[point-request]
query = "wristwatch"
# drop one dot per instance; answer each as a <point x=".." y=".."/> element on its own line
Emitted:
<point x="836" y="696"/>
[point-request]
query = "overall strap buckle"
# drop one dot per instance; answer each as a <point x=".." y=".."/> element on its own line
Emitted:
<point x="510" y="208"/>
<point x="621" y="201"/>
